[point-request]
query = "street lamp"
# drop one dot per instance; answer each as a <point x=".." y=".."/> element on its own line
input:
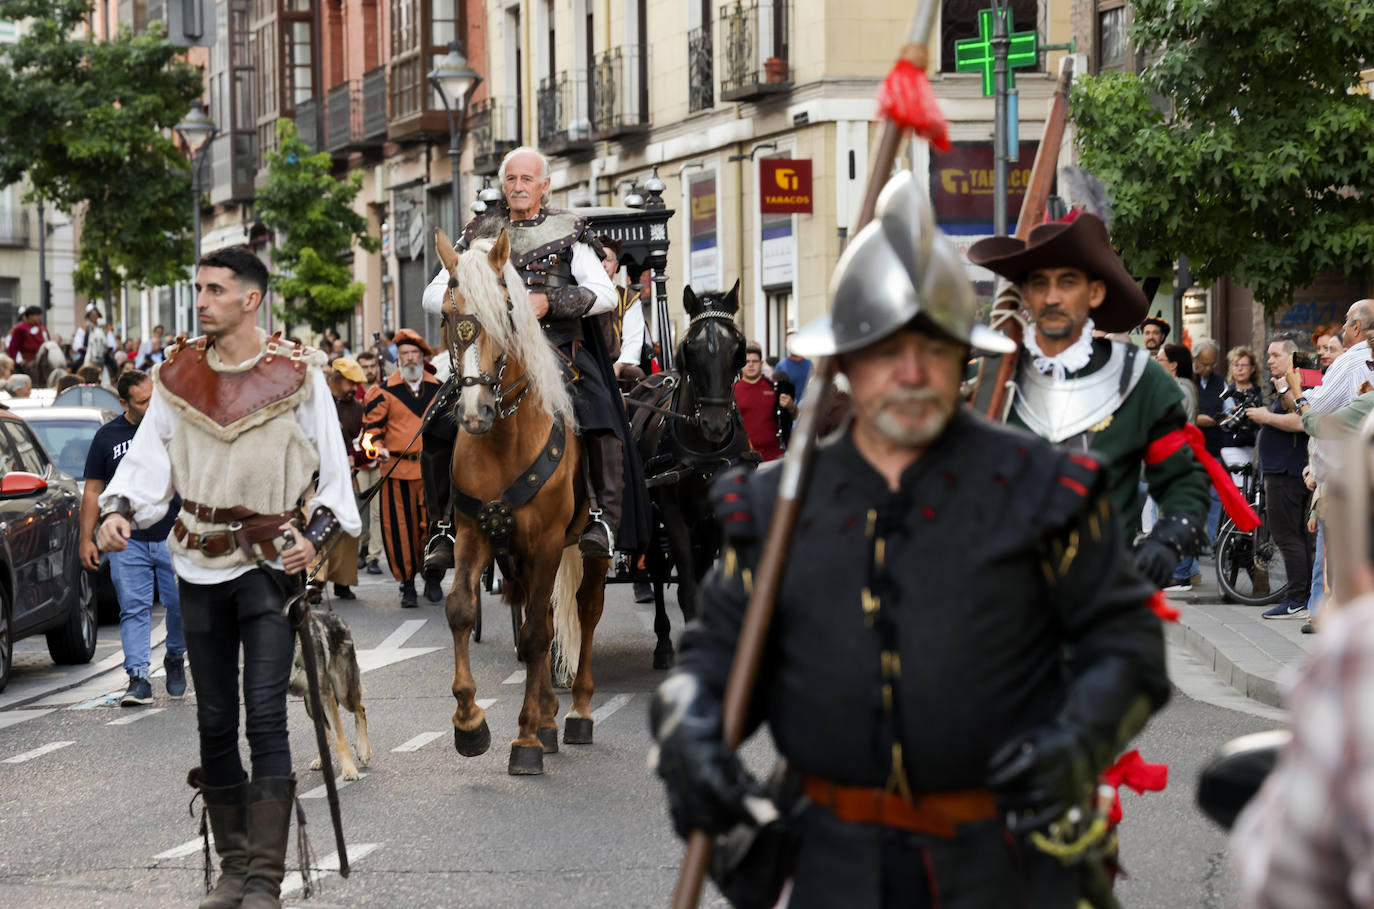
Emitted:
<point x="196" y="131"/>
<point x="455" y="81"/>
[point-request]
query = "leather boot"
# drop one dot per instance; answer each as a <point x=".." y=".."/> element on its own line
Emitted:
<point x="605" y="460"/>
<point x="439" y="549"/>
<point x="227" y="807"/>
<point x="409" y="600"/>
<point x="270" y="802"/>
<point x="434" y="586"/>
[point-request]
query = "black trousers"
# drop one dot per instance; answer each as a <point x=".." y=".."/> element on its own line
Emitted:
<point x="436" y="471"/>
<point x="1287" y="501"/>
<point x="220" y="620"/>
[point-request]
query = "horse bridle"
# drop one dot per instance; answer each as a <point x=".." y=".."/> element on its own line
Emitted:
<point x="464" y="330"/>
<point x="725" y="402"/>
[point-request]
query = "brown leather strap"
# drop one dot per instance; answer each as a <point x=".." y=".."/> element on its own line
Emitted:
<point x="259" y="529"/>
<point x="934" y="813"/>
<point x="216" y="515"/>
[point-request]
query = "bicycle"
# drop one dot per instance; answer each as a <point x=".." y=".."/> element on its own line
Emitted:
<point x="1250" y="568"/>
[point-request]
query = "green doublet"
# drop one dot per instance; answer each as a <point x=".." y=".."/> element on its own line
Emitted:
<point x="1152" y="408"/>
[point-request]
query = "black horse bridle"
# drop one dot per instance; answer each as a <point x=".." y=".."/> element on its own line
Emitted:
<point x="464" y="330"/>
<point x="726" y="402"/>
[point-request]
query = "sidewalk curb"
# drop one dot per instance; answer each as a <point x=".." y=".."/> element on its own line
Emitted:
<point x="1238" y="663"/>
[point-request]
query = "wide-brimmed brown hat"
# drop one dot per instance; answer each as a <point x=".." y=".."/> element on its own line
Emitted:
<point x="1081" y="243"/>
<point x="409" y="336"/>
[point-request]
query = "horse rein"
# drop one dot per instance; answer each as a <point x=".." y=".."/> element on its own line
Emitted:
<point x="464" y="331"/>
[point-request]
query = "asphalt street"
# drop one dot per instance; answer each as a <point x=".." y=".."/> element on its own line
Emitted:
<point x="94" y="807"/>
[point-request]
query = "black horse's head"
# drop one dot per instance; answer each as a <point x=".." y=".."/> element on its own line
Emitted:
<point x="710" y="358"/>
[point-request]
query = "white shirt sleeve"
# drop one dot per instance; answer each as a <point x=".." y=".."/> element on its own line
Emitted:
<point x="632" y="334"/>
<point x="590" y="273"/>
<point x="433" y="300"/>
<point x="144" y="474"/>
<point x="320" y="422"/>
<point x="1342" y="380"/>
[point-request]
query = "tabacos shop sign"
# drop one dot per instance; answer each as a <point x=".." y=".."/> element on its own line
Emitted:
<point x="785" y="186"/>
<point x="963" y="181"/>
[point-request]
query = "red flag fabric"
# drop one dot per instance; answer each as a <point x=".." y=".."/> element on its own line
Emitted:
<point x="1239" y="510"/>
<point x="1133" y="771"/>
<point x="907" y="98"/>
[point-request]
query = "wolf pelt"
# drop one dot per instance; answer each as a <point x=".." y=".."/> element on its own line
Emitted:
<point x="340" y="683"/>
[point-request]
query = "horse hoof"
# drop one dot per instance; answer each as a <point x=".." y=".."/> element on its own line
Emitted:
<point x="548" y="738"/>
<point x="526" y="760"/>
<point x="473" y="742"/>
<point x="664" y="660"/>
<point x="577" y="730"/>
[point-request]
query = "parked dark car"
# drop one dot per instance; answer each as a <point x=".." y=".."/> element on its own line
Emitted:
<point x="43" y="589"/>
<point x="66" y="433"/>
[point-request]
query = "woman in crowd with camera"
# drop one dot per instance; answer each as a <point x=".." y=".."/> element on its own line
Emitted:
<point x="1238" y="443"/>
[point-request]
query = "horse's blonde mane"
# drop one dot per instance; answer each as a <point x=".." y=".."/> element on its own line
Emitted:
<point x="485" y="300"/>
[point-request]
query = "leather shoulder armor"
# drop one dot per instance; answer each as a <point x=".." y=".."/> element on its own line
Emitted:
<point x="226" y="397"/>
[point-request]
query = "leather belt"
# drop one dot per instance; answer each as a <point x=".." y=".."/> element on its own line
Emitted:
<point x="253" y="528"/>
<point x="217" y="515"/>
<point x="934" y="813"/>
<point x="412" y="456"/>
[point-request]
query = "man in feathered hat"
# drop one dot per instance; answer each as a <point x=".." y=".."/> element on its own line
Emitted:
<point x="395" y="409"/>
<point x="1098" y="395"/>
<point x="1155" y="330"/>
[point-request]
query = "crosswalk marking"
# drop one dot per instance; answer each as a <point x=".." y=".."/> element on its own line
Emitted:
<point x="418" y="742"/>
<point x="402" y="634"/>
<point x="35" y="753"/>
<point x="328" y="865"/>
<point x="516" y="678"/>
<point x="15" y="717"/>
<point x="135" y="717"/>
<point x="190" y="847"/>
<point x="339" y="783"/>
<point x="611" y="706"/>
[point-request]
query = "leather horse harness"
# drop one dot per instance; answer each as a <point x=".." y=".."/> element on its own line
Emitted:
<point x="496" y="518"/>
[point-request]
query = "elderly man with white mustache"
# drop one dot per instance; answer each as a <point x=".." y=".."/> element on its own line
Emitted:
<point x="561" y="264"/>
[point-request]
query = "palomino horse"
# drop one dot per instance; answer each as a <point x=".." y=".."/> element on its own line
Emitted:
<point x="683" y="451"/>
<point x="518" y="497"/>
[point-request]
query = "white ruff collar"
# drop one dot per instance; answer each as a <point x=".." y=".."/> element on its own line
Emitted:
<point x="1071" y="359"/>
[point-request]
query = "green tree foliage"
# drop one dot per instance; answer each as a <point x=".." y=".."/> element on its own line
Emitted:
<point x="316" y="226"/>
<point x="90" y="124"/>
<point x="1264" y="170"/>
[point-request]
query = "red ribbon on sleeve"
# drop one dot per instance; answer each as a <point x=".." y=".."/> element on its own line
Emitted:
<point x="1134" y="771"/>
<point x="1166" y="445"/>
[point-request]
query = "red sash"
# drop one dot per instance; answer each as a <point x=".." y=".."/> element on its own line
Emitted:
<point x="1239" y="510"/>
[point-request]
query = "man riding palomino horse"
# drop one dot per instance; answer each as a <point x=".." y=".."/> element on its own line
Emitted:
<point x="561" y="266"/>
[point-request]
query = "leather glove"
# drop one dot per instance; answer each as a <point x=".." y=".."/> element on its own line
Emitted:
<point x="707" y="785"/>
<point x="1041" y="775"/>
<point x="1155" y="561"/>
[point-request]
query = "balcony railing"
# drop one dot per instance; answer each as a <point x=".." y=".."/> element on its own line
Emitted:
<point x="374" y="106"/>
<point x="564" y="128"/>
<point x="620" y="93"/>
<point x="415" y="109"/>
<point x="308" y="123"/>
<point x="232" y="166"/>
<point x="339" y="130"/>
<point x="14" y="229"/>
<point x="701" y="91"/>
<point x="754" y="47"/>
<point x="495" y="127"/>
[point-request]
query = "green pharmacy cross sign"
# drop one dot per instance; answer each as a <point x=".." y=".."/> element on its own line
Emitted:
<point x="975" y="54"/>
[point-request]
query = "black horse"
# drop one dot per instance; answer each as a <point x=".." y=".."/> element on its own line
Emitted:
<point x="692" y="432"/>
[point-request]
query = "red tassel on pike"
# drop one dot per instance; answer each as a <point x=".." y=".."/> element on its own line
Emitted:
<point x="907" y="98"/>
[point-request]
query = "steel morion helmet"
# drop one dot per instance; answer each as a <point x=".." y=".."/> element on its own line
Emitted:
<point x="899" y="267"/>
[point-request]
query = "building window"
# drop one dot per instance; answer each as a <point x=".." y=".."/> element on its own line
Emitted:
<point x="1111" y="35"/>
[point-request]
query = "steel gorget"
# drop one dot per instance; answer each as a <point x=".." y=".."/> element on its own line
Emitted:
<point x="1061" y="409"/>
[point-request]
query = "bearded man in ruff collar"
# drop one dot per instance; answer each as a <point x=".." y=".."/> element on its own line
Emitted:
<point x="241" y="425"/>
<point x="561" y="264"/>
<point x="394" y="409"/>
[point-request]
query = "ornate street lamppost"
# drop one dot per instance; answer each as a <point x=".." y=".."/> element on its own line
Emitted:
<point x="455" y="81"/>
<point x="196" y="131"/>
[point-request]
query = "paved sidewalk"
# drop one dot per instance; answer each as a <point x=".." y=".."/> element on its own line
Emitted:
<point x="1258" y="657"/>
